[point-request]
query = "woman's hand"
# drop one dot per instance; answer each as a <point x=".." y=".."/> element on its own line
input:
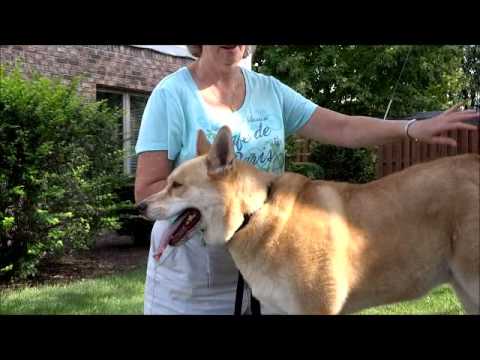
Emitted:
<point x="432" y="130"/>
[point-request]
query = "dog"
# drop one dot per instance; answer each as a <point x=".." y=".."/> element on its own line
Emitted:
<point x="325" y="247"/>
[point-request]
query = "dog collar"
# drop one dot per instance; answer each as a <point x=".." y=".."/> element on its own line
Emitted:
<point x="246" y="216"/>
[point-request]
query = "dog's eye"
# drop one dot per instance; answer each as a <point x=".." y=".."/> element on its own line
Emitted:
<point x="176" y="184"/>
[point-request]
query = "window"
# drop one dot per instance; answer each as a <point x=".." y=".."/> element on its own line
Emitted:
<point x="132" y="105"/>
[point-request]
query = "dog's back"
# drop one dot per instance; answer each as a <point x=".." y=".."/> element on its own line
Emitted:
<point x="340" y="247"/>
<point x="422" y="229"/>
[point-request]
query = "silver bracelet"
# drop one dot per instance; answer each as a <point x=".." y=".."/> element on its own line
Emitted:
<point x="407" y="125"/>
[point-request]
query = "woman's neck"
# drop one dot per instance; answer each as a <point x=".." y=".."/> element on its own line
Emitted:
<point x="208" y="74"/>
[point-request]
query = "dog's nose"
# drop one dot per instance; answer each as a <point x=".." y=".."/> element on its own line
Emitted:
<point x="141" y="207"/>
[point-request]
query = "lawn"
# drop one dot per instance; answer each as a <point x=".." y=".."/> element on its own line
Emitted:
<point x="123" y="294"/>
<point x="118" y="294"/>
<point x="440" y="301"/>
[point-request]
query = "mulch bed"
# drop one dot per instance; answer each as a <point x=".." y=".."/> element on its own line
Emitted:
<point x="112" y="255"/>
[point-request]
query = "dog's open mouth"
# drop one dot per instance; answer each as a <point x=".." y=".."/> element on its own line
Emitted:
<point x="179" y="231"/>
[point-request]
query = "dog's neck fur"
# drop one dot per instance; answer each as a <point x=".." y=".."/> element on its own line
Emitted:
<point x="247" y="216"/>
<point x="249" y="195"/>
<point x="254" y="188"/>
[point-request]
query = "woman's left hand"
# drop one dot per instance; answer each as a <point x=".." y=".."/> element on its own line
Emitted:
<point x="432" y="131"/>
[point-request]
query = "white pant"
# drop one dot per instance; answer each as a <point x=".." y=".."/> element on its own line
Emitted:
<point x="190" y="279"/>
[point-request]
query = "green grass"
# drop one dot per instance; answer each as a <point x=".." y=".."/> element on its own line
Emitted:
<point x="123" y="294"/>
<point x="110" y="295"/>
<point x="440" y="301"/>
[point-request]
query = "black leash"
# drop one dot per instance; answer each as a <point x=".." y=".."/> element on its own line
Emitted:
<point x="239" y="295"/>
<point x="254" y="303"/>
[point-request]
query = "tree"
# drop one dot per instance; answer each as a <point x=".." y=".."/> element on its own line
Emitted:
<point x="359" y="80"/>
<point x="471" y="68"/>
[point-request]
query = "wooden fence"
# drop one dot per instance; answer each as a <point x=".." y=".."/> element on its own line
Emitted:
<point x="303" y="150"/>
<point x="402" y="154"/>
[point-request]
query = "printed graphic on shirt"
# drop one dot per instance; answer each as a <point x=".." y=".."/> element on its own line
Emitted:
<point x="260" y="143"/>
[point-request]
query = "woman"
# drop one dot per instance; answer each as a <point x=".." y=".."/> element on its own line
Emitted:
<point x="261" y="111"/>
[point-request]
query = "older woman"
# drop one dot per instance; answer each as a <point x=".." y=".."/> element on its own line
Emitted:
<point x="261" y="111"/>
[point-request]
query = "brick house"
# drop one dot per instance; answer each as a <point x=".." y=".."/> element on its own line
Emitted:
<point x="124" y="75"/>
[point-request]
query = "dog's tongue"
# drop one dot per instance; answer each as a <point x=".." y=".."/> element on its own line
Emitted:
<point x="177" y="230"/>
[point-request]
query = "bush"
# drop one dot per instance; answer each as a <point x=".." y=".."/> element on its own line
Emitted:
<point x="59" y="167"/>
<point x="311" y="170"/>
<point x="131" y="222"/>
<point x="328" y="162"/>
<point x="344" y="164"/>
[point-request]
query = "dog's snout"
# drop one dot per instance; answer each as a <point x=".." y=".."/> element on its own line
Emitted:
<point x="141" y="207"/>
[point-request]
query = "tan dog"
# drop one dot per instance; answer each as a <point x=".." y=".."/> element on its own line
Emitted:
<point x="322" y="247"/>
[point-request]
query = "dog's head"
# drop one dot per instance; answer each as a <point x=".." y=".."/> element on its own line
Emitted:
<point x="211" y="192"/>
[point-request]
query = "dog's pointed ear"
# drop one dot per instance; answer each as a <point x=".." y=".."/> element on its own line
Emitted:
<point x="220" y="159"/>
<point x="203" y="145"/>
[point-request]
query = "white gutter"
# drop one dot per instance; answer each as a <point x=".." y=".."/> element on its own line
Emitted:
<point x="172" y="50"/>
<point x="182" y="51"/>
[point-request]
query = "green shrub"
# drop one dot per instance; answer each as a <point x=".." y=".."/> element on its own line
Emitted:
<point x="344" y="164"/>
<point x="328" y="162"/>
<point x="131" y="222"/>
<point x="60" y="164"/>
<point x="311" y="170"/>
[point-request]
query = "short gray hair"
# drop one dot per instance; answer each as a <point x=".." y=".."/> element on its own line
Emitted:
<point x="196" y="50"/>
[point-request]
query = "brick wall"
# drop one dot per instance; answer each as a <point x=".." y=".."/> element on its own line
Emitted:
<point x="116" y="66"/>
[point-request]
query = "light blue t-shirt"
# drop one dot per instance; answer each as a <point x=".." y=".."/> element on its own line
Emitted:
<point x="270" y="112"/>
